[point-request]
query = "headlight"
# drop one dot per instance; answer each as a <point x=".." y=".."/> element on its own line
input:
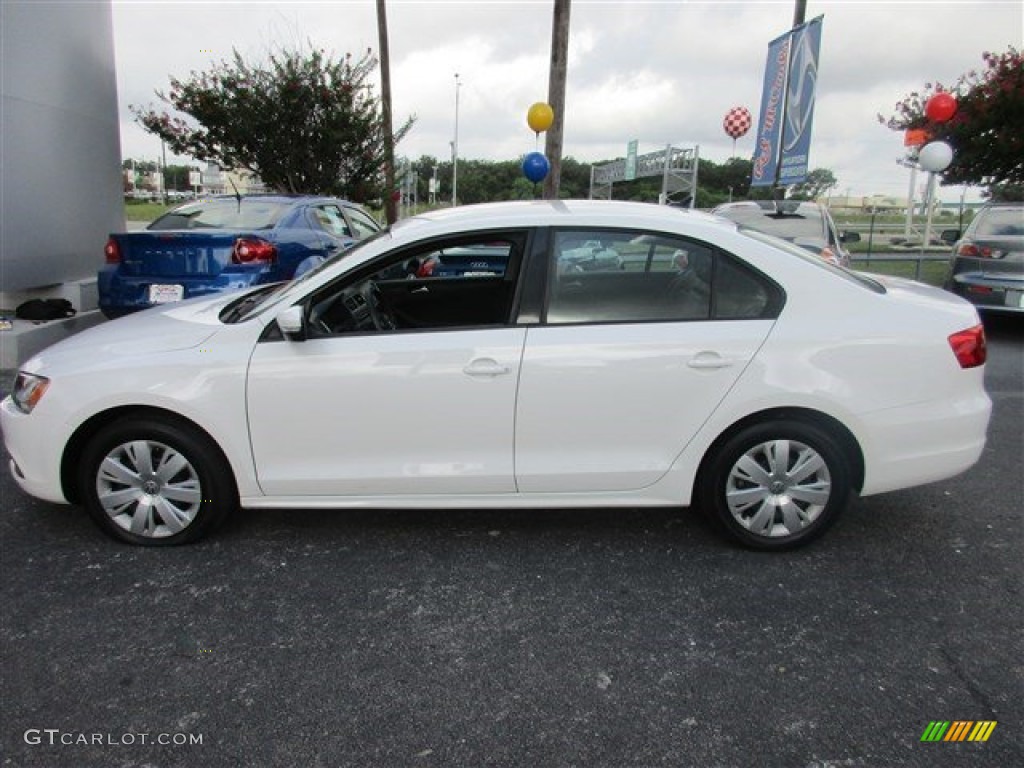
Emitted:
<point x="28" y="391"/>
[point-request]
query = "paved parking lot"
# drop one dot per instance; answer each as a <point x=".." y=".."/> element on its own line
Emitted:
<point x="584" y="638"/>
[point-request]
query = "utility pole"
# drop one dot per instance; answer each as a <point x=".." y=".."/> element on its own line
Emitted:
<point x="556" y="96"/>
<point x="390" y="208"/>
<point x="799" y="13"/>
<point x="455" y="147"/>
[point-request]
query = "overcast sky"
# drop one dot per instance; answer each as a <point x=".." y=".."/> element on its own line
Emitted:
<point x="658" y="72"/>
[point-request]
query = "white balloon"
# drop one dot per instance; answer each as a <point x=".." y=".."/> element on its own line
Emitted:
<point x="936" y="156"/>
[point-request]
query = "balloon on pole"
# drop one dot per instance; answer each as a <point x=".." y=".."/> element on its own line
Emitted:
<point x="935" y="156"/>
<point x="736" y="123"/>
<point x="535" y="167"/>
<point x="940" y="107"/>
<point x="540" y="117"/>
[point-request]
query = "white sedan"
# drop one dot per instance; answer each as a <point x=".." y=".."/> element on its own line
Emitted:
<point x="713" y="366"/>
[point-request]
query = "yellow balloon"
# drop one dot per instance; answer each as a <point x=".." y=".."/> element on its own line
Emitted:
<point x="540" y="117"/>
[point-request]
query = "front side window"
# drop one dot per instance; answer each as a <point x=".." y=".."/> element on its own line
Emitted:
<point x="413" y="290"/>
<point x="634" y="277"/>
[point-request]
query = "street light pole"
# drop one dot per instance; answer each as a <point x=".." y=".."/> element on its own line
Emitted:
<point x="455" y="146"/>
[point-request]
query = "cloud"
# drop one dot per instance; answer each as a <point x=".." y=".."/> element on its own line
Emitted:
<point x="657" y="72"/>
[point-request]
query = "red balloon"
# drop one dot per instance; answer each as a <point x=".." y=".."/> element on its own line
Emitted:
<point x="940" y="107"/>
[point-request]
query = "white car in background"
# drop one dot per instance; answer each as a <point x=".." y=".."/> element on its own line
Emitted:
<point x="723" y="368"/>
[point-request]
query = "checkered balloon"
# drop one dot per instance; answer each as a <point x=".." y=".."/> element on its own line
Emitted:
<point x="737" y="122"/>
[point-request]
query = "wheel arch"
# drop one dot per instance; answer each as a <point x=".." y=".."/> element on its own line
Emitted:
<point x="846" y="439"/>
<point x="76" y="444"/>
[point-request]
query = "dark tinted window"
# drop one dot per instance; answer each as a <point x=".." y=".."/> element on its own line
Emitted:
<point x="1000" y="222"/>
<point x="608" y="277"/>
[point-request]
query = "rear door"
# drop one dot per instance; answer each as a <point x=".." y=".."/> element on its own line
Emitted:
<point x="628" y="363"/>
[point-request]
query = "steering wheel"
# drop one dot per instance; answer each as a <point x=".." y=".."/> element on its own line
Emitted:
<point x="379" y="315"/>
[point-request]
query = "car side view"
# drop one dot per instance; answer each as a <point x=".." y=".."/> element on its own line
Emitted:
<point x="705" y="364"/>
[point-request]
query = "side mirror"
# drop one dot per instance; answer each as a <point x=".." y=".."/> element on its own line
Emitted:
<point x="292" y="324"/>
<point x="848" y="236"/>
<point x="950" y="236"/>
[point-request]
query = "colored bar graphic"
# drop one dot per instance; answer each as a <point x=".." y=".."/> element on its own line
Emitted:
<point x="959" y="730"/>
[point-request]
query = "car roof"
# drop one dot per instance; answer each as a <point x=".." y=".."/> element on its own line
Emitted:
<point x="554" y="213"/>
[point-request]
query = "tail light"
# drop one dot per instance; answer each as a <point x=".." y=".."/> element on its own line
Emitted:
<point x="112" y="252"/>
<point x="969" y="346"/>
<point x="252" y="250"/>
<point x="974" y="251"/>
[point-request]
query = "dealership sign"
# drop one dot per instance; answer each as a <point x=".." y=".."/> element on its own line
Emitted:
<point x="787" y="107"/>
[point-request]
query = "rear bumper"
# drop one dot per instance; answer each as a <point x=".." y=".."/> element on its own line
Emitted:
<point x="122" y="294"/>
<point x="924" y="442"/>
<point x="991" y="291"/>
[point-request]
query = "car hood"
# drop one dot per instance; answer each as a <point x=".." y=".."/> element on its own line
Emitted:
<point x="160" y="329"/>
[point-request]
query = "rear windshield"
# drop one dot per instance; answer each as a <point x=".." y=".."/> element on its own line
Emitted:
<point x="1000" y="222"/>
<point x="228" y="213"/>
<point x="805" y="223"/>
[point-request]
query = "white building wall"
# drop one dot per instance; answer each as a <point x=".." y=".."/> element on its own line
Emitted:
<point x="59" y="142"/>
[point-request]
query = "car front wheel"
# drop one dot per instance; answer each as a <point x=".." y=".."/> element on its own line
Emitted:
<point x="777" y="484"/>
<point x="155" y="483"/>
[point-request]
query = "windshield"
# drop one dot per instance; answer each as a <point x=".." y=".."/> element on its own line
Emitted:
<point x="224" y="213"/>
<point x="807" y="256"/>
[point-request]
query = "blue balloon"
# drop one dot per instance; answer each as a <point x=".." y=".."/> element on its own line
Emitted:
<point x="536" y="166"/>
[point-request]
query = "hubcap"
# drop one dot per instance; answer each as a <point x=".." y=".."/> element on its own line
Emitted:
<point x="778" y="488"/>
<point x="148" y="488"/>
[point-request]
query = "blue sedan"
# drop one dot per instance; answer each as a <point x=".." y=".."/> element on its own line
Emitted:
<point x="224" y="243"/>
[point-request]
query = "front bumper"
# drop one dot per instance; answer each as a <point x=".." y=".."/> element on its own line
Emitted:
<point x="35" y="459"/>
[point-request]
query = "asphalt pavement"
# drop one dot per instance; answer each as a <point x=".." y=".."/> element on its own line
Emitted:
<point x="526" y="638"/>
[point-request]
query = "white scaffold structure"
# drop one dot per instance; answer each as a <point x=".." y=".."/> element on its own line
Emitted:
<point x="676" y="165"/>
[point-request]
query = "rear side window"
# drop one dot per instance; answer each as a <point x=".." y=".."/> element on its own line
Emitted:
<point x="362" y="224"/>
<point x="630" y="277"/>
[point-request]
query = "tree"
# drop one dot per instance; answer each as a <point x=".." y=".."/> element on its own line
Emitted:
<point x="985" y="133"/>
<point x="302" y="123"/>
<point x="818" y="182"/>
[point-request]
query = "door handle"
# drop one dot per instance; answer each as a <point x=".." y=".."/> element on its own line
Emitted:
<point x="420" y="290"/>
<point x="486" y="367"/>
<point x="708" y="361"/>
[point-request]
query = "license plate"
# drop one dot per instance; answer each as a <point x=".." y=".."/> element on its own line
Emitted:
<point x="165" y="294"/>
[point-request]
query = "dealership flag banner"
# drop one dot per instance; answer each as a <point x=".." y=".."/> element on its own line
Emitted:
<point x="787" y="107"/>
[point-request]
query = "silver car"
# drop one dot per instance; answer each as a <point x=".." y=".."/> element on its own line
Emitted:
<point x="987" y="264"/>
<point x="802" y="223"/>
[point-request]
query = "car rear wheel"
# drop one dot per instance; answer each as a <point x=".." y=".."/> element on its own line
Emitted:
<point x="777" y="484"/>
<point x="155" y="483"/>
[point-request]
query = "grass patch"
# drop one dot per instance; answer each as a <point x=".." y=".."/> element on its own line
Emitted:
<point x="932" y="272"/>
<point x="139" y="211"/>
